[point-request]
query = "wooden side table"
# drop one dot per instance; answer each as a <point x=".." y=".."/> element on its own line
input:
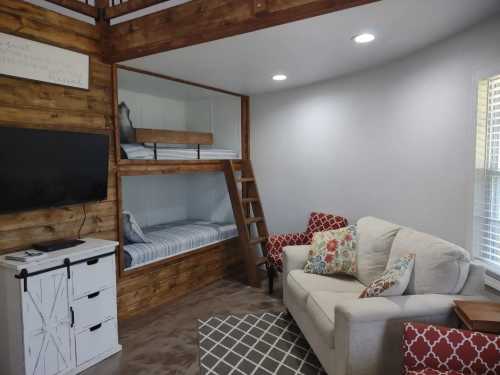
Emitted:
<point x="479" y="316"/>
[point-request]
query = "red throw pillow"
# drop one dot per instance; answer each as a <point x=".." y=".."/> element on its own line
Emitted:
<point x="320" y="222"/>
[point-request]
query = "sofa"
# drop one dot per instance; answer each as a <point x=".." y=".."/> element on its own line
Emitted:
<point x="363" y="336"/>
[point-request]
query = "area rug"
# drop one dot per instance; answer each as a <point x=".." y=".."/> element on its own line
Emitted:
<point x="255" y="344"/>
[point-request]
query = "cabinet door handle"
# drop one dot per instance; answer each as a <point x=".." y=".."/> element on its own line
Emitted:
<point x="92" y="261"/>
<point x="72" y="316"/>
<point x="95" y="328"/>
<point x="93" y="295"/>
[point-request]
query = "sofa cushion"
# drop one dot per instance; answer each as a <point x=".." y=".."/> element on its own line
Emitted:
<point x="321" y="309"/>
<point x="440" y="266"/>
<point x="301" y="284"/>
<point x="375" y="239"/>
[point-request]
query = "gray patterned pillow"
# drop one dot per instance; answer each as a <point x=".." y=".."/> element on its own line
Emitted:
<point x="127" y="131"/>
<point x="393" y="281"/>
<point x="132" y="231"/>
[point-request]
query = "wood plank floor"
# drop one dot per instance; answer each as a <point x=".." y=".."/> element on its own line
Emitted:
<point x="165" y="341"/>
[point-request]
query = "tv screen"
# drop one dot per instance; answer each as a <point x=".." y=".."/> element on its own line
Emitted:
<point x="45" y="168"/>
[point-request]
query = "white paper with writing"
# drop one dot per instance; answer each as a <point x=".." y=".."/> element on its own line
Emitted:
<point x="25" y="58"/>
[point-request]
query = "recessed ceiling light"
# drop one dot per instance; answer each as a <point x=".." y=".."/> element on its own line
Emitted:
<point x="279" y="77"/>
<point x="364" y="38"/>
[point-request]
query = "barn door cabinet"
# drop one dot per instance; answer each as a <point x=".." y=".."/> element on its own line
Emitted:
<point x="58" y="315"/>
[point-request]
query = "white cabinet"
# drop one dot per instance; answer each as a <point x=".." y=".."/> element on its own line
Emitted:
<point x="58" y="315"/>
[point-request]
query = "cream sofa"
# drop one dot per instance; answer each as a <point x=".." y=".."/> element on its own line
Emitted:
<point x="363" y="336"/>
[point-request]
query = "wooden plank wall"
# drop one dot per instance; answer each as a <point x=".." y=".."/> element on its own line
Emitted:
<point x="30" y="104"/>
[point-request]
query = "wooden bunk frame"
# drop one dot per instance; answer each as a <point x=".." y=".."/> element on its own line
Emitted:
<point x="127" y="167"/>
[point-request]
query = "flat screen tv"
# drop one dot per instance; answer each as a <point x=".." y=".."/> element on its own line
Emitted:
<point x="45" y="168"/>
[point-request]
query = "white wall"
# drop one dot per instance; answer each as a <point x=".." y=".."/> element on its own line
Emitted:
<point x="209" y="198"/>
<point x="227" y="122"/>
<point x="156" y="199"/>
<point x="395" y="142"/>
<point x="153" y="112"/>
<point x="199" y="115"/>
<point x="162" y="199"/>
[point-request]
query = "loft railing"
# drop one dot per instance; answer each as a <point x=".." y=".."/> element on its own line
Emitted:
<point x="112" y="8"/>
<point x="86" y="7"/>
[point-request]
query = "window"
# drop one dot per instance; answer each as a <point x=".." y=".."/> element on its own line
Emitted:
<point x="487" y="187"/>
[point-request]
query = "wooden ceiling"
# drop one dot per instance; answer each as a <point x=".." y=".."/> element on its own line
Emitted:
<point x="194" y="22"/>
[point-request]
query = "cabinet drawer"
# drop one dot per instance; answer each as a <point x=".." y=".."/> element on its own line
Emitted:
<point x="96" y="340"/>
<point x="94" y="308"/>
<point x="93" y="275"/>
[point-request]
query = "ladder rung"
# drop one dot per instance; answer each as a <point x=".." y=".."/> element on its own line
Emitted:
<point x="251" y="220"/>
<point x="258" y="241"/>
<point x="250" y="200"/>
<point x="246" y="179"/>
<point x="261" y="261"/>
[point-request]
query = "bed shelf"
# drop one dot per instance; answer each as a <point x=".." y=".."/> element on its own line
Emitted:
<point x="161" y="167"/>
<point x="173" y="137"/>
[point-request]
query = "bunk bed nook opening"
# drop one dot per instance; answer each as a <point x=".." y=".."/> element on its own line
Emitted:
<point x="171" y="216"/>
<point x="164" y="119"/>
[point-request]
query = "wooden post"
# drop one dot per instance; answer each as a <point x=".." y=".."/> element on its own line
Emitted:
<point x="104" y="28"/>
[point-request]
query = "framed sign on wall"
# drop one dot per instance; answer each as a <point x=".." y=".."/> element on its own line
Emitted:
<point x="28" y="59"/>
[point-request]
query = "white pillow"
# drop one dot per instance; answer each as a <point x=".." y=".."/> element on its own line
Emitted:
<point x="393" y="281"/>
<point x="131" y="229"/>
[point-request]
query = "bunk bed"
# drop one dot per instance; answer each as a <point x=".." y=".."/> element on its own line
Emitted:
<point x="142" y="151"/>
<point x="167" y="240"/>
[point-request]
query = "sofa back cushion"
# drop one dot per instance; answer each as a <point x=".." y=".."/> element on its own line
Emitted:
<point x="440" y="266"/>
<point x="375" y="239"/>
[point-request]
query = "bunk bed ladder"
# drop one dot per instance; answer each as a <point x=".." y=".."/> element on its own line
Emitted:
<point x="249" y="216"/>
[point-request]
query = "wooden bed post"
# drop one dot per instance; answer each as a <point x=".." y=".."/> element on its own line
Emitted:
<point x="245" y="127"/>
<point x="104" y="28"/>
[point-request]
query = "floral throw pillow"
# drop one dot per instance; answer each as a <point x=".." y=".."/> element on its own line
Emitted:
<point x="333" y="252"/>
<point x="393" y="281"/>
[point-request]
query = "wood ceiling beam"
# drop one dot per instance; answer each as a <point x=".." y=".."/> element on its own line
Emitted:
<point x="200" y="21"/>
<point x="130" y="6"/>
<point x="76" y="6"/>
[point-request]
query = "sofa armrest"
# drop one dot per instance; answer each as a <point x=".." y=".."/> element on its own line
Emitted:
<point x="294" y="258"/>
<point x="474" y="285"/>
<point x="368" y="331"/>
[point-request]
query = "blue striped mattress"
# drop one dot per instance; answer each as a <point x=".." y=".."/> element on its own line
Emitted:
<point x="176" y="238"/>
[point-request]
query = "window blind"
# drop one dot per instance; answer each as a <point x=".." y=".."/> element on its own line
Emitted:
<point x="487" y="187"/>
